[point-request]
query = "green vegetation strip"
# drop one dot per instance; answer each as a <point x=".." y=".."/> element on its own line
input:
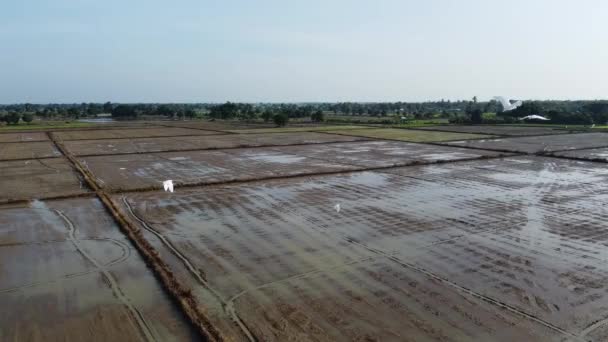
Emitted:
<point x="409" y="135"/>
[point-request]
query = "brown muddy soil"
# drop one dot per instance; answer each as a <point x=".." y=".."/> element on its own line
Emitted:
<point x="128" y="133"/>
<point x="143" y="145"/>
<point x="38" y="178"/>
<point x="22" y="150"/>
<point x="141" y="171"/>
<point x="19" y="137"/>
<point x="489" y="250"/>
<point x="496" y="130"/>
<point x="539" y="144"/>
<point x="68" y="274"/>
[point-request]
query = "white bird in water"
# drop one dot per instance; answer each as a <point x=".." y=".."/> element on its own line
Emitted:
<point x="337" y="207"/>
<point x="506" y="103"/>
<point x="168" y="185"/>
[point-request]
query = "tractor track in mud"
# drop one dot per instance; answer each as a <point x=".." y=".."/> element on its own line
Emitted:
<point x="441" y="279"/>
<point x="140" y="321"/>
<point x="126" y="253"/>
<point x="356" y="168"/>
<point x="182" y="295"/>
<point x="192" y="270"/>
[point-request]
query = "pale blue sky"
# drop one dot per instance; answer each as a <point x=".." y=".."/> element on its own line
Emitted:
<point x="313" y="50"/>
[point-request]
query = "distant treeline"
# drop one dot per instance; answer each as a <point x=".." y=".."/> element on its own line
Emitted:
<point x="569" y="112"/>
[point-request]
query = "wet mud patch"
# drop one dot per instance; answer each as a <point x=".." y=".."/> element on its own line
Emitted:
<point x="496" y="130"/>
<point x="408" y="134"/>
<point x="38" y="149"/>
<point x="386" y="153"/>
<point x="144" y="145"/>
<point x="144" y="171"/>
<point x="38" y="178"/>
<point x="128" y="133"/>
<point x="23" y="137"/>
<point x="443" y="251"/>
<point x="540" y="144"/>
<point x="69" y="274"/>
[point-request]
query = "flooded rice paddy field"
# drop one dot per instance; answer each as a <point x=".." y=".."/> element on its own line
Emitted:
<point x="131" y="172"/>
<point x="303" y="236"/>
<point x="69" y="274"/>
<point x="296" y="128"/>
<point x="137" y="171"/>
<point x="370" y="154"/>
<point x="144" y="145"/>
<point x="498" y="130"/>
<point x="594" y="154"/>
<point x="19" y="137"/>
<point x="38" y="178"/>
<point x="22" y="150"/>
<point x="409" y="134"/>
<point x="539" y="144"/>
<point x="487" y="251"/>
<point x="129" y="133"/>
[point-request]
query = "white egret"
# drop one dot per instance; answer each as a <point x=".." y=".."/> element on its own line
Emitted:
<point x="506" y="103"/>
<point x="168" y="185"/>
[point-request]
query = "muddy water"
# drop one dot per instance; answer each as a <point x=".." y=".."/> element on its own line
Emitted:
<point x="143" y="145"/>
<point x="68" y="274"/>
<point x="591" y="154"/>
<point x="384" y="153"/>
<point x="559" y="142"/>
<point x="488" y="250"/>
<point x="200" y="167"/>
<point x="496" y="130"/>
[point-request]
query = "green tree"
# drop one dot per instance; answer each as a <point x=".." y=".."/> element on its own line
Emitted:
<point x="166" y="110"/>
<point x="12" y="118"/>
<point x="476" y="116"/>
<point x="280" y="119"/>
<point x="317" y="116"/>
<point x="124" y="112"/>
<point x="190" y="113"/>
<point x="27" y="117"/>
<point x="267" y="115"/>
<point x="74" y="112"/>
<point x="107" y="107"/>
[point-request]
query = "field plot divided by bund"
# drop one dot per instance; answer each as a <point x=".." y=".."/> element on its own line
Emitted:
<point x="131" y="172"/>
<point x="497" y="130"/>
<point x="129" y="133"/>
<point x="430" y="242"/>
<point x="143" y="145"/>
<point x="23" y="137"/>
<point x="20" y="150"/>
<point x="594" y="154"/>
<point x="408" y="134"/>
<point x="77" y="279"/>
<point x="469" y="252"/>
<point x="38" y="178"/>
<point x="539" y="144"/>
